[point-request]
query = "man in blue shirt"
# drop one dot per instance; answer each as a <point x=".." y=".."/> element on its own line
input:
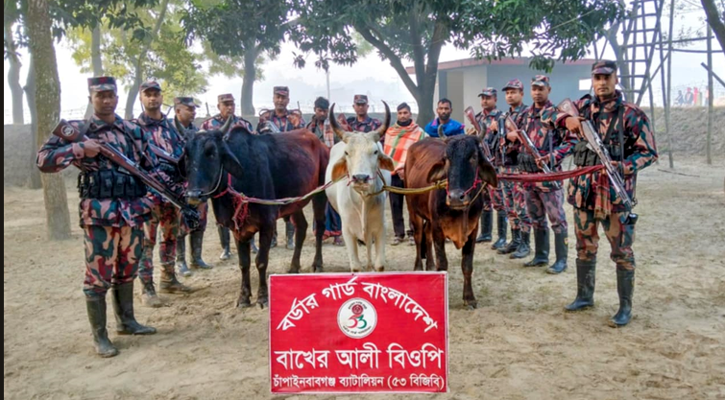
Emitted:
<point x="450" y="127"/>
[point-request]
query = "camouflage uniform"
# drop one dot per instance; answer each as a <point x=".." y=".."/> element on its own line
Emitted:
<point x="595" y="201"/>
<point x="493" y="197"/>
<point x="513" y="192"/>
<point x="366" y="125"/>
<point x="546" y="198"/>
<point x="113" y="209"/>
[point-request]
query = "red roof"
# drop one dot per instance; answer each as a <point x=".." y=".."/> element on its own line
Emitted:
<point x="472" y="62"/>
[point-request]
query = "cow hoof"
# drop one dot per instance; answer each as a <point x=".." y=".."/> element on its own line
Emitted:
<point x="317" y="268"/>
<point x="380" y="268"/>
<point x="293" y="270"/>
<point x="471" y="305"/>
<point x="244" y="303"/>
<point x="263" y="302"/>
<point x="355" y="269"/>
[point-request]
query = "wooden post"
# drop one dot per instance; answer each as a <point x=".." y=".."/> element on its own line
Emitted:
<point x="710" y="95"/>
<point x="668" y="88"/>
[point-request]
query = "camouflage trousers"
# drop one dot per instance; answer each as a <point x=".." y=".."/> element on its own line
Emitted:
<point x="515" y="203"/>
<point x="203" y="210"/>
<point x="493" y="198"/>
<point x="167" y="216"/>
<point x="541" y="204"/>
<point x="620" y="236"/>
<point x="112" y="256"/>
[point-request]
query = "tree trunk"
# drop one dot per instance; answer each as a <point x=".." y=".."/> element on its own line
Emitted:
<point x="96" y="61"/>
<point x="710" y="95"/>
<point x="715" y="21"/>
<point x="34" y="181"/>
<point x="138" y="69"/>
<point x="14" y="75"/>
<point x="250" y="75"/>
<point x="47" y="98"/>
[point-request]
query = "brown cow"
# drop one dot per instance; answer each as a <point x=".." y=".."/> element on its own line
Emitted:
<point x="453" y="212"/>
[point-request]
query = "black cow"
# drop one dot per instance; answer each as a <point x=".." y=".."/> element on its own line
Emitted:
<point x="278" y="166"/>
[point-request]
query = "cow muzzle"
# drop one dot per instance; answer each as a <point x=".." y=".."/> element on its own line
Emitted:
<point x="194" y="197"/>
<point x="360" y="182"/>
<point x="458" y="199"/>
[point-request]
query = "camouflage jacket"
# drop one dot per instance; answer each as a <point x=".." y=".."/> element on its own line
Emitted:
<point x="190" y="128"/>
<point x="484" y="119"/>
<point x="164" y="136"/>
<point x="127" y="137"/>
<point x="593" y="192"/>
<point x="549" y="140"/>
<point x="367" y="125"/>
<point x="511" y="158"/>
<point x="217" y="122"/>
<point x="283" y="123"/>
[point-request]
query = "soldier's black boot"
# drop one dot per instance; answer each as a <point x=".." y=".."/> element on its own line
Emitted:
<point x="541" y="242"/>
<point x="181" y="256"/>
<point x="96" y="308"/>
<point x="625" y="288"/>
<point x="126" y="323"/>
<point x="290" y="235"/>
<point x="224" y="239"/>
<point x="524" y="248"/>
<point x="170" y="284"/>
<point x="197" y="240"/>
<point x="502" y="225"/>
<point x="585" y="279"/>
<point x="511" y="246"/>
<point x="486" y="227"/>
<point x="561" y="246"/>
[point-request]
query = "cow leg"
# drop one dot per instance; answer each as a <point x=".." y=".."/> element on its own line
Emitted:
<point x="244" y="249"/>
<point x="380" y="250"/>
<point x="429" y="260"/>
<point x="266" y="234"/>
<point x="439" y="241"/>
<point x="352" y="249"/>
<point x="369" y="238"/>
<point x="420" y="244"/>
<point x="469" y="299"/>
<point x="300" y="233"/>
<point x="319" y="204"/>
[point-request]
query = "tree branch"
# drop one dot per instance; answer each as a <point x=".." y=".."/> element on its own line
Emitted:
<point x="418" y="50"/>
<point x="713" y="19"/>
<point x="395" y="61"/>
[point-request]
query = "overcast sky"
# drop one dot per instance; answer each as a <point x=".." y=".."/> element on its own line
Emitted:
<point x="686" y="72"/>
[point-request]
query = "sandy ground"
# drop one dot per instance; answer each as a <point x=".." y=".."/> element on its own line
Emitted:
<point x="519" y="344"/>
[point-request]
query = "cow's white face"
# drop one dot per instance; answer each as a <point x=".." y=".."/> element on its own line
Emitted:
<point x="363" y="157"/>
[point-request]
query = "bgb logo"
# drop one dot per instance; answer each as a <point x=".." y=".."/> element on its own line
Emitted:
<point x="357" y="318"/>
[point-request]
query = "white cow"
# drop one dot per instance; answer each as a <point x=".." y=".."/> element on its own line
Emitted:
<point x="359" y="198"/>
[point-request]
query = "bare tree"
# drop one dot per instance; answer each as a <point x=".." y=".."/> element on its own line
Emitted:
<point x="716" y="20"/>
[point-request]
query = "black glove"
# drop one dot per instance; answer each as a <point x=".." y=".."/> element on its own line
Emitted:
<point x="191" y="217"/>
<point x="528" y="163"/>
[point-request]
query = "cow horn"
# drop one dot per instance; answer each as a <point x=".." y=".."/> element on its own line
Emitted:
<point x="386" y="124"/>
<point x="441" y="131"/>
<point x="335" y="126"/>
<point x="227" y="125"/>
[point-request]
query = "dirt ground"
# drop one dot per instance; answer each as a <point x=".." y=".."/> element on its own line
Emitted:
<point x="519" y="343"/>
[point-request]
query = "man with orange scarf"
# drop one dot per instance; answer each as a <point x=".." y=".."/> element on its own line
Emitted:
<point x="398" y="140"/>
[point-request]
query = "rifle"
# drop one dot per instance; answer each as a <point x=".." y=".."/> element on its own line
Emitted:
<point x="469" y="113"/>
<point x="267" y="125"/>
<point x="68" y="132"/>
<point x="502" y="138"/>
<point x="528" y="144"/>
<point x="594" y="143"/>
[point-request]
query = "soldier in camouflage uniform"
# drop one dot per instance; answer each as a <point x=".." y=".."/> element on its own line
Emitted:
<point x="546" y="198"/>
<point x="513" y="192"/>
<point x="164" y="214"/>
<point x="493" y="197"/>
<point x="625" y="132"/>
<point x="185" y="112"/>
<point x="113" y="209"/>
<point x="226" y="106"/>
<point x="361" y="122"/>
<point x="284" y="121"/>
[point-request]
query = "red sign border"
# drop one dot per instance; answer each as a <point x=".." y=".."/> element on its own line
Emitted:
<point x="352" y="275"/>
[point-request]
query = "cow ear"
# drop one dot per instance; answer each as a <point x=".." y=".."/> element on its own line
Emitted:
<point x="437" y="172"/>
<point x="486" y="170"/>
<point x="181" y="165"/>
<point x="339" y="170"/>
<point x="229" y="161"/>
<point x="385" y="162"/>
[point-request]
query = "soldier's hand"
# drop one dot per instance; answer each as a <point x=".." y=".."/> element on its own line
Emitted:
<point x="494" y="126"/>
<point x="401" y="174"/>
<point x="574" y="124"/>
<point x="91" y="148"/>
<point x="512" y="136"/>
<point x="471" y="132"/>
<point x="541" y="161"/>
